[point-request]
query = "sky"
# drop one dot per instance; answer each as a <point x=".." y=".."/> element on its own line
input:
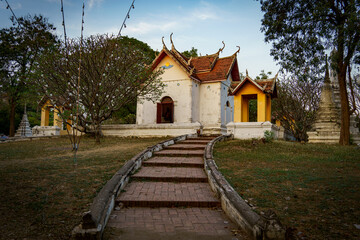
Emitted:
<point x="201" y="24"/>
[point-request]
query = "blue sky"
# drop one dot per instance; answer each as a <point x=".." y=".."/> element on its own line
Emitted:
<point x="201" y="24"/>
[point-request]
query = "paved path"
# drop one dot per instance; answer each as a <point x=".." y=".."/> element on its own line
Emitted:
<point x="170" y="198"/>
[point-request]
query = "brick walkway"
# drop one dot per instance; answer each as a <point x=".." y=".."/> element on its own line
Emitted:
<point x="171" y="174"/>
<point x="170" y="198"/>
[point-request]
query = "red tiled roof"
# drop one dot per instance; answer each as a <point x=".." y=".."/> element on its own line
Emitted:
<point x="208" y="68"/>
<point x="265" y="85"/>
<point x="204" y="63"/>
<point x="220" y="70"/>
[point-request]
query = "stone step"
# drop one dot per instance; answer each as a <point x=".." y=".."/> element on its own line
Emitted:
<point x="170" y="223"/>
<point x="175" y="162"/>
<point x="181" y="146"/>
<point x="170" y="174"/>
<point x="194" y="141"/>
<point x="201" y="138"/>
<point x="167" y="194"/>
<point x="180" y="153"/>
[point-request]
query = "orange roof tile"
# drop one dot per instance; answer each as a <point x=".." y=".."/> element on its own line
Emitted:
<point x="219" y="72"/>
<point x="265" y="85"/>
<point x="208" y="68"/>
<point x="204" y="63"/>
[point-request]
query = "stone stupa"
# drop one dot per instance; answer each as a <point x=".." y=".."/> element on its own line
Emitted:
<point x="328" y="120"/>
<point x="327" y="125"/>
<point x="24" y="129"/>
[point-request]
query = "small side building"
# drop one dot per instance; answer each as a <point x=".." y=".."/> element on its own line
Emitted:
<point x="261" y="90"/>
<point x="45" y="128"/>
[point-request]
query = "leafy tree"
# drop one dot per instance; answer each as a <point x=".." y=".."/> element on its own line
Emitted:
<point x="301" y="31"/>
<point x="263" y="75"/>
<point x="140" y="46"/>
<point x="296" y="105"/>
<point x="127" y="114"/>
<point x="20" y="48"/>
<point x="113" y="73"/>
<point x="191" y="53"/>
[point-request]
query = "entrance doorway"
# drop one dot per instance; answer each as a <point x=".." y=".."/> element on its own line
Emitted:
<point x="249" y="108"/>
<point x="165" y="111"/>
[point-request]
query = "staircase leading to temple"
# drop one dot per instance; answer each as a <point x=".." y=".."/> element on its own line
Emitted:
<point x="170" y="198"/>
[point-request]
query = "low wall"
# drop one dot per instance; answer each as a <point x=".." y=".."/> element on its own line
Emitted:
<point x="23" y="139"/>
<point x="259" y="227"/>
<point x="151" y="130"/>
<point x="94" y="221"/>
<point x="46" y="131"/>
<point x="249" y="130"/>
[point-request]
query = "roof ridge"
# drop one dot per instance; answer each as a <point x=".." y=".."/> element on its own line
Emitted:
<point x="211" y="55"/>
<point x="231" y="66"/>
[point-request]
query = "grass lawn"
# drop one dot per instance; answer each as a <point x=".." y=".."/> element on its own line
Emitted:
<point x="312" y="187"/>
<point x="43" y="194"/>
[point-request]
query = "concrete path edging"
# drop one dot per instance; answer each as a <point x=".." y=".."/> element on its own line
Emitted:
<point x="94" y="221"/>
<point x="234" y="206"/>
<point x="31" y="138"/>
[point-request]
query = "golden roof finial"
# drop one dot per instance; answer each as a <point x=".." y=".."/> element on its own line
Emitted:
<point x="189" y="61"/>
<point x="162" y="39"/>
<point x="247" y="74"/>
<point x="237" y="50"/>
<point x="221" y="49"/>
<point x="172" y="43"/>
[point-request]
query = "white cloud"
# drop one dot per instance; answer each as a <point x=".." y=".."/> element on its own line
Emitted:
<point x="205" y="11"/>
<point x="146" y="27"/>
<point x="185" y="19"/>
<point x="94" y="2"/>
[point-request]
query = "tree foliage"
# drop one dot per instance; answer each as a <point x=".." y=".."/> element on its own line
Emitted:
<point x="263" y="75"/>
<point x="20" y="48"/>
<point x="113" y="74"/>
<point x="302" y="31"/>
<point x="190" y="53"/>
<point x="296" y="105"/>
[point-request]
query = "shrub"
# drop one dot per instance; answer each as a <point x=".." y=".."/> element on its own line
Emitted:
<point x="269" y="136"/>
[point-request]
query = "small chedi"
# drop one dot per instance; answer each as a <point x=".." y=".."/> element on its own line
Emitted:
<point x="24" y="129"/>
<point x="327" y="125"/>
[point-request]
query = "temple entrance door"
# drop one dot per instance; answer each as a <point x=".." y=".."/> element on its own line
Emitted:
<point x="249" y="108"/>
<point x="165" y="111"/>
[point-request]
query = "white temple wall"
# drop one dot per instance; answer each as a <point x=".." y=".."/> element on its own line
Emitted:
<point x="210" y="113"/>
<point x="195" y="101"/>
<point x="178" y="86"/>
<point x="226" y="111"/>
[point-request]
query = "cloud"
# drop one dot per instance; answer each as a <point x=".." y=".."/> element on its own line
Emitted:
<point x="146" y="27"/>
<point x="94" y="2"/>
<point x="205" y="11"/>
<point x="184" y="18"/>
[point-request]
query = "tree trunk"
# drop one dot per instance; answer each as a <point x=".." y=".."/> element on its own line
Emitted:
<point x="345" y="113"/>
<point x="97" y="134"/>
<point x="12" y="118"/>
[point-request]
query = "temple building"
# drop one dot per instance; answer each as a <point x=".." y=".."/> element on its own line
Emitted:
<point x="261" y="91"/>
<point x="195" y="95"/>
<point x="45" y="128"/>
<point x="203" y="95"/>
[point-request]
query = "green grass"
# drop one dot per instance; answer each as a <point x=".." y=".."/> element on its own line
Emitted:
<point x="322" y="182"/>
<point x="43" y="194"/>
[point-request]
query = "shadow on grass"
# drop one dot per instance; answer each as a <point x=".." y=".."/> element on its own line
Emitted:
<point x="312" y="187"/>
<point x="43" y="195"/>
